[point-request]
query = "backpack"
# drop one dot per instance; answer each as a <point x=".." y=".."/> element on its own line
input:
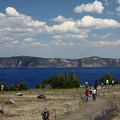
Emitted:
<point x="45" y="116"/>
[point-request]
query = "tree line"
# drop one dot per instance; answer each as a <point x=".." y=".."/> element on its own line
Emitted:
<point x="64" y="80"/>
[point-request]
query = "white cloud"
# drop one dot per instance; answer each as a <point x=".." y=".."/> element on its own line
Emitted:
<point x="15" y="26"/>
<point x="11" y="11"/>
<point x="28" y="39"/>
<point x="105" y="43"/>
<point x="102" y="36"/>
<point x="61" y="19"/>
<point x="15" y="42"/>
<point x="36" y="44"/>
<point x="97" y="23"/>
<point x="118" y="1"/>
<point x="71" y="36"/>
<point x="86" y="24"/>
<point x="62" y="43"/>
<point x="95" y="7"/>
<point x="118" y="9"/>
<point x="68" y="26"/>
<point x="110" y="13"/>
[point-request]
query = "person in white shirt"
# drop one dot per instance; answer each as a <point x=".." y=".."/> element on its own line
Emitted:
<point x="113" y="82"/>
<point x="107" y="82"/>
<point x="2" y="88"/>
<point x="94" y="93"/>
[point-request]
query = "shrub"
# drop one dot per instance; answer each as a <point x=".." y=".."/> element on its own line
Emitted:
<point x="22" y="86"/>
<point x="37" y="85"/>
<point x="109" y="77"/>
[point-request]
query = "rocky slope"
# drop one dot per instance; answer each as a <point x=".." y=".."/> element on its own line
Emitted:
<point x="36" y="62"/>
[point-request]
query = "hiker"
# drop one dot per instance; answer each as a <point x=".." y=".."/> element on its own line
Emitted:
<point x="45" y="114"/>
<point x="102" y="85"/>
<point x="113" y="82"/>
<point x="2" y="88"/>
<point x="86" y="95"/>
<point x="107" y="82"/>
<point x="90" y="89"/>
<point x="86" y="85"/>
<point x="94" y="93"/>
<point x="96" y="84"/>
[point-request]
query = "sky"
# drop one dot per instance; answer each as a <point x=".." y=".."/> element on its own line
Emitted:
<point x="60" y="28"/>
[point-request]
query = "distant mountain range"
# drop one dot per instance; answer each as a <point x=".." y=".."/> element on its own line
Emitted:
<point x="37" y="62"/>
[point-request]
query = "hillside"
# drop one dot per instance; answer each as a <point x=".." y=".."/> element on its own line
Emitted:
<point x="37" y="62"/>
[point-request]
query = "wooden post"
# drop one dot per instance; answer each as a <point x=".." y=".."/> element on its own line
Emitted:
<point x="67" y="108"/>
<point x="103" y="112"/>
<point x="90" y="117"/>
<point x="55" y="116"/>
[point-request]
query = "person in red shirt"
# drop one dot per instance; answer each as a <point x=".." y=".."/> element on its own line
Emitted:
<point x="86" y="95"/>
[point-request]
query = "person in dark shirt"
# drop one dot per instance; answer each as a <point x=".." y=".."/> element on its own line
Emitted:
<point x="45" y="114"/>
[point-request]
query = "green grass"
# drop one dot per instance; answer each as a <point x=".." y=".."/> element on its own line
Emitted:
<point x="47" y="91"/>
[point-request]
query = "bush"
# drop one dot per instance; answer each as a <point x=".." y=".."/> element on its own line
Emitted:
<point x="12" y="88"/>
<point x="62" y="80"/>
<point x="37" y="85"/>
<point x="22" y="86"/>
<point x="109" y="77"/>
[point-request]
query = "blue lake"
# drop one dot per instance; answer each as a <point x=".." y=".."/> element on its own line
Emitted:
<point x="32" y="75"/>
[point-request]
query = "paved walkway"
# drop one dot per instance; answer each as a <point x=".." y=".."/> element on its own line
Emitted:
<point x="92" y="110"/>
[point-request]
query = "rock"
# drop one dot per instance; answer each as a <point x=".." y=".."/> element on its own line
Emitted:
<point x="41" y="96"/>
<point x="1" y="111"/>
<point x="19" y="94"/>
<point x="9" y="102"/>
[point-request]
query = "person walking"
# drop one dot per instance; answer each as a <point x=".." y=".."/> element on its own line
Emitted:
<point x="94" y="93"/>
<point x="45" y="114"/>
<point x="2" y="88"/>
<point x="90" y="89"/>
<point x="86" y="95"/>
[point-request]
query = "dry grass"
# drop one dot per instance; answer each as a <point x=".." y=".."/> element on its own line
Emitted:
<point x="29" y="107"/>
<point x="115" y="97"/>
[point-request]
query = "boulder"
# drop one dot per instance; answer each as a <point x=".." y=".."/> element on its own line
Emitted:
<point x="1" y="111"/>
<point x="41" y="96"/>
<point x="19" y="94"/>
<point x="9" y="102"/>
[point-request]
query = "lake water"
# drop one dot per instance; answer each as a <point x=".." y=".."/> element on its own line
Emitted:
<point x="32" y="75"/>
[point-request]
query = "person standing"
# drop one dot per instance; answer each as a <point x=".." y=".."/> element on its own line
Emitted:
<point x="86" y="85"/>
<point x="94" y="93"/>
<point x="90" y="89"/>
<point x="113" y="82"/>
<point x="107" y="82"/>
<point x="2" y="88"/>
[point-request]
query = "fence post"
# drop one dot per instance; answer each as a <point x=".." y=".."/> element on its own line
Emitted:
<point x="55" y="116"/>
<point x="103" y="112"/>
<point x="90" y="117"/>
<point x="67" y="108"/>
<point x="80" y="104"/>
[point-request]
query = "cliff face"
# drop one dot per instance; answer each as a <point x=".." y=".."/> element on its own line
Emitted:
<point x="35" y="62"/>
<point x="100" y="62"/>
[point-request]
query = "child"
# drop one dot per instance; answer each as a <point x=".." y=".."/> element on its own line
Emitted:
<point x="86" y="95"/>
<point x="45" y="114"/>
<point x="94" y="92"/>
